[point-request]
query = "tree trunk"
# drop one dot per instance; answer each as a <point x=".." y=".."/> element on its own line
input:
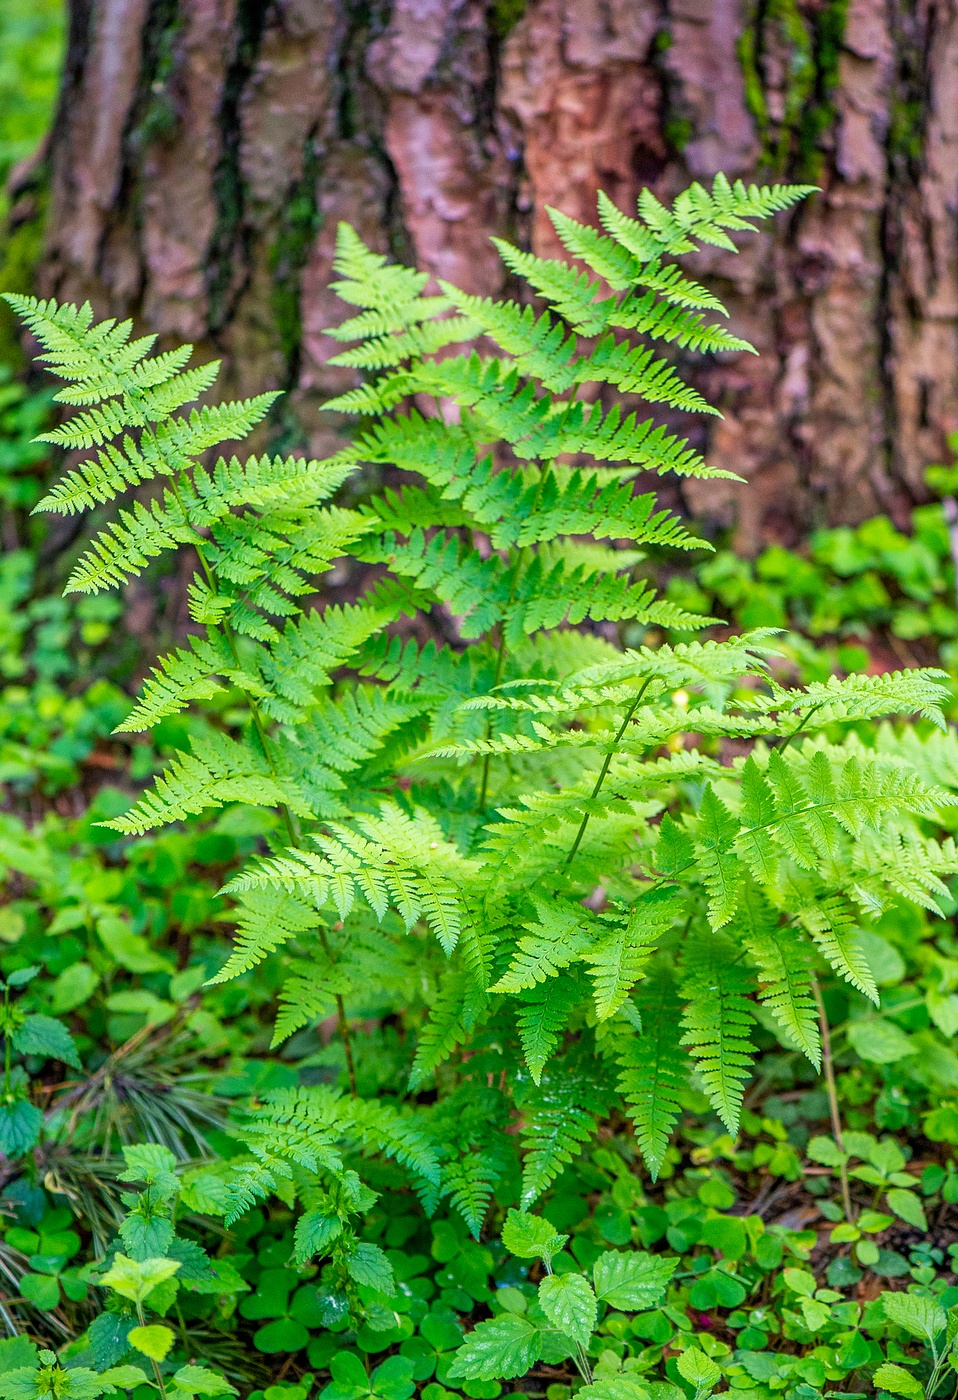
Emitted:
<point x="205" y="150"/>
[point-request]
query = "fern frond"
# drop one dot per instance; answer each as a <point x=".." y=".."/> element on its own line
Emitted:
<point x="469" y="1182"/>
<point x="220" y="770"/>
<point x="543" y="1017"/>
<point x="618" y="960"/>
<point x="558" y="937"/>
<point x="717" y="1020"/>
<point x="784" y="968"/>
<point x="265" y="920"/>
<point x="444" y="1029"/>
<point x="654" y="1069"/>
<point x="161" y="452"/>
<point x="556" y="1124"/>
<point x="831" y="923"/>
<point x="123" y="550"/>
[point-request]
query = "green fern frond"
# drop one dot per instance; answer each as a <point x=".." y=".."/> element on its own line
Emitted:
<point x="618" y="960"/>
<point x="831" y="923"/>
<point x="558" y="938"/>
<point x="556" y="1124"/>
<point x="543" y="1017"/>
<point x="163" y="452"/>
<point x="265" y="920"/>
<point x="717" y="1020"/>
<point x="654" y="1069"/>
<point x="123" y="550"/>
<point x="387" y="351"/>
<point x="444" y="1029"/>
<point x="784" y="968"/>
<point x="469" y="1182"/>
<point x="220" y="770"/>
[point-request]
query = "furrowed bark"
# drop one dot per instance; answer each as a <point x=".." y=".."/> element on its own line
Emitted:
<point x="205" y="151"/>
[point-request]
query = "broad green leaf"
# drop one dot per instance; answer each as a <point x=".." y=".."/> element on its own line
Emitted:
<point x="899" y="1381"/>
<point x="570" y="1304"/>
<point x="131" y="950"/>
<point x="530" y="1236"/>
<point x="507" y="1346"/>
<point x="367" y="1264"/>
<point x="151" y="1163"/>
<point x="922" y="1317"/>
<point x="698" y="1369"/>
<point x="826" y="1150"/>
<point x="20" y="1125"/>
<point x="880" y="1042"/>
<point x="41" y="1290"/>
<point x="631" y="1282"/>
<point x="907" y="1206"/>
<point x="154" y="1341"/>
<point x="393" y="1380"/>
<point x="800" y="1281"/>
<point x="146" y="1239"/>
<point x="45" y="1036"/>
<point x="74" y="986"/>
<point x="625" y="1386"/>
<point x="125" y="1377"/>
<point x="136" y="1279"/>
<point x="315" y="1232"/>
<point x="198" y="1380"/>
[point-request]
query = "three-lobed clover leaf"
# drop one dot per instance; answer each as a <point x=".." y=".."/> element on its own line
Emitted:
<point x="392" y="1380"/>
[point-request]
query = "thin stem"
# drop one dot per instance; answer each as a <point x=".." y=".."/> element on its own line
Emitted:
<point x="141" y="1318"/>
<point x="6" y="1043"/>
<point x="501" y="658"/>
<point x="343" y="1023"/>
<point x="500" y="666"/>
<point x="828" y="1069"/>
<point x="604" y="770"/>
<point x="950" y="507"/>
<point x="802" y="724"/>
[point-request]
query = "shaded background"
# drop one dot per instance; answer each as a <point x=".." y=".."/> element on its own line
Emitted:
<point x="204" y="150"/>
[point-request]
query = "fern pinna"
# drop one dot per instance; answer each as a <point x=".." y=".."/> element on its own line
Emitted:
<point x="528" y="852"/>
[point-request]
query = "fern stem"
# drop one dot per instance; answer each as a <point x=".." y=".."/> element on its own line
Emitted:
<point x="501" y="656"/>
<point x="801" y="727"/>
<point x="603" y="771"/>
<point x="342" y="1022"/>
<point x="828" y="1070"/>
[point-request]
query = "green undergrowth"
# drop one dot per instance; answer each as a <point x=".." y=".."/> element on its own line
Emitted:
<point x="384" y="1017"/>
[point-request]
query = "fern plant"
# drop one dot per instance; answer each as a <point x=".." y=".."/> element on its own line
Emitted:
<point x="577" y="873"/>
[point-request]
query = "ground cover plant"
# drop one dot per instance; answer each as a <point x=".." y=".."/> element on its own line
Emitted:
<point x="572" y="984"/>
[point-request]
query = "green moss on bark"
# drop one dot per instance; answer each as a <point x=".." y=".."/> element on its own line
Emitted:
<point x="808" y="43"/>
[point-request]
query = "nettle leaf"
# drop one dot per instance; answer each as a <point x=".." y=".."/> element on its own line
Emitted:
<point x="570" y="1304"/>
<point x="530" y="1236"/>
<point x="922" y="1317"/>
<point x="507" y="1346"/>
<point x="898" y="1381"/>
<point x="146" y="1238"/>
<point x="154" y="1341"/>
<point x="631" y="1282"/>
<point x="136" y="1279"/>
<point x="367" y="1264"/>
<point x="699" y="1370"/>
<point x="43" y="1035"/>
<point x="20" y="1125"/>
<point x="315" y="1232"/>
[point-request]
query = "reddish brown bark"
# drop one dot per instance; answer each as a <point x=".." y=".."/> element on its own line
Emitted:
<point x="206" y="149"/>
